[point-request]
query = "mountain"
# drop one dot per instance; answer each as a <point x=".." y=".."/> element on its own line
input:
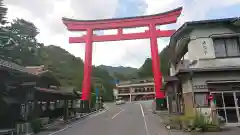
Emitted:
<point x="120" y="72"/>
<point x="145" y="70"/>
<point x="69" y="69"/>
<point x="120" y="69"/>
<point x="66" y="68"/>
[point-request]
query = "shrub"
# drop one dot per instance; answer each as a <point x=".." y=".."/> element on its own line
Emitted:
<point x="181" y="122"/>
<point x="36" y="125"/>
<point x="200" y="123"/>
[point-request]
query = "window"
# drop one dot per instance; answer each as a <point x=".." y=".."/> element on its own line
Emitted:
<point x="152" y="90"/>
<point x="201" y="99"/>
<point x="227" y="47"/>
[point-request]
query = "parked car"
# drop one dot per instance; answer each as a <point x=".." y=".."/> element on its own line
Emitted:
<point x="119" y="101"/>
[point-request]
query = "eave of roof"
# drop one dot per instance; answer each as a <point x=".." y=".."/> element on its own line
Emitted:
<point x="202" y="22"/>
<point x="13" y="66"/>
<point x="212" y="69"/>
<point x="47" y="90"/>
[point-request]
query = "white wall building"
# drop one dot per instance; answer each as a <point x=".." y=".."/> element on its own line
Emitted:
<point x="135" y="90"/>
<point x="206" y="63"/>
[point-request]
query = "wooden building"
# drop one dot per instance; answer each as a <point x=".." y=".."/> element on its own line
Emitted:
<point x="30" y="93"/>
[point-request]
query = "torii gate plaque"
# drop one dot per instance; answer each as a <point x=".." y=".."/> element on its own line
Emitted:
<point x="150" y="21"/>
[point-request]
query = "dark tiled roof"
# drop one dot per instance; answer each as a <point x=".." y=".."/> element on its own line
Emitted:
<point x="170" y="78"/>
<point x="188" y="25"/>
<point x="12" y="66"/>
<point x="48" y="90"/>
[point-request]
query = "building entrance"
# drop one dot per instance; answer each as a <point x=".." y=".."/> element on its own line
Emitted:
<point x="228" y="105"/>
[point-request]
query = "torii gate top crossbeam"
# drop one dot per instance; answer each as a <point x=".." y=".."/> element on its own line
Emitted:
<point x="120" y="23"/>
<point x="157" y="19"/>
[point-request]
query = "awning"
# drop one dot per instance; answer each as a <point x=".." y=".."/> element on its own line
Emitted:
<point x="222" y="81"/>
<point x="52" y="94"/>
<point x="170" y="79"/>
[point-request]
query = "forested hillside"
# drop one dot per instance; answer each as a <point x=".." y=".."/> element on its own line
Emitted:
<point x="19" y="44"/>
<point x="145" y="70"/>
<point x="120" y="72"/>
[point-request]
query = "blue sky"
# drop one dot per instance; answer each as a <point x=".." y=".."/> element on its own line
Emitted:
<point x="47" y="14"/>
<point x="225" y="12"/>
<point x="130" y="8"/>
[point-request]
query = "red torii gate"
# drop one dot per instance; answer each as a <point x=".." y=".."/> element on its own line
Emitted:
<point x="151" y="21"/>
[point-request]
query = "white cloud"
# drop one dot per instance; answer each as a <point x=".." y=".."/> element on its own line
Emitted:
<point x="126" y="53"/>
<point x="47" y="14"/>
<point x="52" y="30"/>
<point x="94" y="9"/>
<point x="39" y="8"/>
<point x="192" y="9"/>
<point x="158" y="6"/>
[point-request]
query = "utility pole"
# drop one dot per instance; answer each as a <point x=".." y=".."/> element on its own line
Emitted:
<point x="98" y="90"/>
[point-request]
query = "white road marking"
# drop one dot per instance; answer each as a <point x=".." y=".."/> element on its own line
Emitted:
<point x="147" y="133"/>
<point x="70" y="125"/>
<point x="114" y="116"/>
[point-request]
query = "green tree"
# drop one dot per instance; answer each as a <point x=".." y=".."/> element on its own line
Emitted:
<point x="106" y="82"/>
<point x="66" y="67"/>
<point x="164" y="61"/>
<point x="119" y="76"/>
<point x="146" y="69"/>
<point x="3" y="12"/>
<point x="24" y="49"/>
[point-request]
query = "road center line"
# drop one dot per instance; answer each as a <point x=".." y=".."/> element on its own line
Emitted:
<point x="114" y="116"/>
<point x="144" y="119"/>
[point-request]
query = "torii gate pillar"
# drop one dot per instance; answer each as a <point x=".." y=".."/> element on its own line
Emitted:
<point x="156" y="67"/>
<point x="150" y="21"/>
<point x="86" y="85"/>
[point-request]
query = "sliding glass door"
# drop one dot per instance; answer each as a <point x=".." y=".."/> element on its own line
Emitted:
<point x="227" y="105"/>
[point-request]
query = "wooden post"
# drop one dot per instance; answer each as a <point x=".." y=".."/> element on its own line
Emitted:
<point x="65" y="114"/>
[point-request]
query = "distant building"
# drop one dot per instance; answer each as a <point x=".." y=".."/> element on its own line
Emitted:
<point x="135" y="90"/>
<point x="205" y="69"/>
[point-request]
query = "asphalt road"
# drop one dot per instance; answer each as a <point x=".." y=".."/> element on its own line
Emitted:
<point x="127" y="119"/>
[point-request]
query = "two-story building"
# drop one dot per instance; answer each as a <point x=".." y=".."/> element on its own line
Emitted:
<point x="134" y="90"/>
<point x="205" y="69"/>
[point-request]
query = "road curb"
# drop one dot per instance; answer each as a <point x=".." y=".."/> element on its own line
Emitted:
<point x="92" y="112"/>
<point x="78" y="121"/>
